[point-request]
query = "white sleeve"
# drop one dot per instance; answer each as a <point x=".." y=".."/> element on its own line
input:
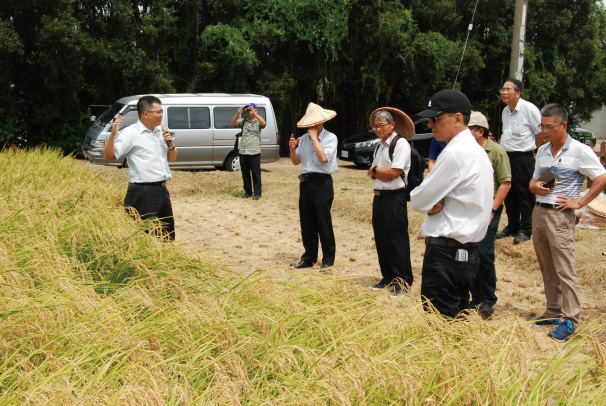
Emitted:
<point x="589" y="163"/>
<point x="534" y="118"/>
<point x="330" y="144"/>
<point x="123" y="143"/>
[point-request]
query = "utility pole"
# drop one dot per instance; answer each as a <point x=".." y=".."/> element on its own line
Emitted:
<point x="516" y="67"/>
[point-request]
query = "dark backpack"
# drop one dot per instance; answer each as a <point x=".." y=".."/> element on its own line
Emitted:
<point x="417" y="166"/>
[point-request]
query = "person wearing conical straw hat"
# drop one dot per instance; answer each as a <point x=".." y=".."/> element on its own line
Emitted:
<point x="316" y="152"/>
<point x="389" y="212"/>
<point x="567" y="161"/>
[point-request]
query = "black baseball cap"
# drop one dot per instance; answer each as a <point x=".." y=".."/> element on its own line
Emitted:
<point x="447" y="101"/>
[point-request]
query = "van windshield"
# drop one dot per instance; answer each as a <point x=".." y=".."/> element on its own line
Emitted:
<point x="109" y="114"/>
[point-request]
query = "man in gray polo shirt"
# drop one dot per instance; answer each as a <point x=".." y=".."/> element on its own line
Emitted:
<point x="566" y="162"/>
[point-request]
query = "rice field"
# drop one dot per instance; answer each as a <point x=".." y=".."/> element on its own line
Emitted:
<point x="93" y="310"/>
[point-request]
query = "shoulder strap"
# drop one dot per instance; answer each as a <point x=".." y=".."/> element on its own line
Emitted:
<point x="392" y="146"/>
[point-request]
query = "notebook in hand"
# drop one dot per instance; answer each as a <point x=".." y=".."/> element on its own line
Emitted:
<point x="548" y="179"/>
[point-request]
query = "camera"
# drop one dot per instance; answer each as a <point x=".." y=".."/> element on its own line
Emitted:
<point x="246" y="112"/>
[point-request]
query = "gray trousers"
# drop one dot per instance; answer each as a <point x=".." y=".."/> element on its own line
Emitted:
<point x="553" y="240"/>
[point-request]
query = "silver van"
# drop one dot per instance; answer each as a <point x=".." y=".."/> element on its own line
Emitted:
<point x="201" y="124"/>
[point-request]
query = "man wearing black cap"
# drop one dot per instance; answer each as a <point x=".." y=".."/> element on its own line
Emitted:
<point x="457" y="196"/>
<point x="249" y="148"/>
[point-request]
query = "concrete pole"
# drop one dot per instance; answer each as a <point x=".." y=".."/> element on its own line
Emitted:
<point x="516" y="67"/>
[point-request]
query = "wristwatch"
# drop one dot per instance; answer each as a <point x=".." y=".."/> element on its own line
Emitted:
<point x="374" y="170"/>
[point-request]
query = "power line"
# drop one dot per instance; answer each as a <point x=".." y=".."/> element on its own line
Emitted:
<point x="469" y="28"/>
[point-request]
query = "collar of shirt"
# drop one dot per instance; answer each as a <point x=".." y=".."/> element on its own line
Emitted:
<point x="142" y="128"/>
<point x="389" y="139"/>
<point x="490" y="145"/>
<point x="564" y="148"/>
<point x="517" y="107"/>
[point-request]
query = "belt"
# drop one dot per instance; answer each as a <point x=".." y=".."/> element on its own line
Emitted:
<point x="388" y="192"/>
<point x="162" y="183"/>
<point x="448" y="242"/>
<point x="546" y="205"/>
<point x="311" y="175"/>
<point x="519" y="153"/>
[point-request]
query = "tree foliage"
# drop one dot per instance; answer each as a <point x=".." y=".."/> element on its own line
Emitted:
<point x="60" y="56"/>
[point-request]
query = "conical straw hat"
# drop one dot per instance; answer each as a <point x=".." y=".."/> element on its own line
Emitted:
<point x="598" y="207"/>
<point x="404" y="125"/>
<point x="315" y="115"/>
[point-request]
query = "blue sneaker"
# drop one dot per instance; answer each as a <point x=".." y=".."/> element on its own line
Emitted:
<point x="563" y="331"/>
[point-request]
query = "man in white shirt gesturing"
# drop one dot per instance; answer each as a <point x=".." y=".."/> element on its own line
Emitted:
<point x="457" y="196"/>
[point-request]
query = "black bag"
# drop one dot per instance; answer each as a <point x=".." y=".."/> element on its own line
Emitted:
<point x="417" y="166"/>
<point x="236" y="146"/>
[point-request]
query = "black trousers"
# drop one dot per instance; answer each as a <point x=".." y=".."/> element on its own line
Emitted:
<point x="520" y="201"/>
<point x="446" y="282"/>
<point x="315" y="201"/>
<point x="251" y="165"/>
<point x="152" y="201"/>
<point x="390" y="225"/>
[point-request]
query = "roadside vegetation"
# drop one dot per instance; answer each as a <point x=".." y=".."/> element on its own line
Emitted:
<point x="95" y="311"/>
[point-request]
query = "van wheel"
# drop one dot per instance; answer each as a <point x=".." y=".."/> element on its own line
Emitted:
<point x="232" y="162"/>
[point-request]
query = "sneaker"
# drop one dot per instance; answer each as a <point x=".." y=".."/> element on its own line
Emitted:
<point x="563" y="331"/>
<point x="396" y="290"/>
<point x="379" y="286"/>
<point x="520" y="237"/>
<point x="486" y="310"/>
<point x="545" y="321"/>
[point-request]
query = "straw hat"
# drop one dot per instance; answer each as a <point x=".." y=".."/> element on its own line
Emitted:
<point x="315" y="115"/>
<point x="598" y="207"/>
<point x="404" y="125"/>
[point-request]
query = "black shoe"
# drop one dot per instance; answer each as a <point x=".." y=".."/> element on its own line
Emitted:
<point x="504" y="233"/>
<point x="521" y="237"/>
<point x="379" y="286"/>
<point x="326" y="265"/>
<point x="256" y="197"/>
<point x="245" y="196"/>
<point x="302" y="264"/>
<point x="486" y="310"/>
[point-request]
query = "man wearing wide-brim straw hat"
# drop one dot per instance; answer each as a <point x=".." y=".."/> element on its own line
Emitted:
<point x="316" y="152"/>
<point x="391" y="160"/>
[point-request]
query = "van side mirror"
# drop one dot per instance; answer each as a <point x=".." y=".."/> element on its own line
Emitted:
<point x="93" y="118"/>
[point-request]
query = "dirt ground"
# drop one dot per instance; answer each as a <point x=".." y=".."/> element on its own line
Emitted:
<point x="248" y="235"/>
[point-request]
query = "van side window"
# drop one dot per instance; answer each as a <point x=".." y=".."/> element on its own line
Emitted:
<point x="223" y="116"/>
<point x="130" y="117"/>
<point x="182" y="118"/>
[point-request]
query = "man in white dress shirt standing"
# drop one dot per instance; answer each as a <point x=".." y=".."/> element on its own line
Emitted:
<point x="148" y="151"/>
<point x="457" y="196"/>
<point x="389" y="168"/>
<point x="521" y="120"/>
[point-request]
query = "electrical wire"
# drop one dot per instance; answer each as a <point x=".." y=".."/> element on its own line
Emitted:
<point x="469" y="28"/>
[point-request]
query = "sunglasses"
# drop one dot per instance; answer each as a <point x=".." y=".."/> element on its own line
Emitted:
<point x="435" y="119"/>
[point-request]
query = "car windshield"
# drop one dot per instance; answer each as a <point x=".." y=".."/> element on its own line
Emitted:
<point x="109" y="114"/>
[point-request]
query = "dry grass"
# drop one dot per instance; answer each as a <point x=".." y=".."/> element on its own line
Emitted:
<point x="95" y="311"/>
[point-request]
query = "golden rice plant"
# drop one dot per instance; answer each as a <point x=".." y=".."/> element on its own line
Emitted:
<point x="93" y="310"/>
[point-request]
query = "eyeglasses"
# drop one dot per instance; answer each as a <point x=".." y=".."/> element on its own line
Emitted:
<point x="549" y="127"/>
<point x="380" y="126"/>
<point x="160" y="112"/>
<point x="435" y="119"/>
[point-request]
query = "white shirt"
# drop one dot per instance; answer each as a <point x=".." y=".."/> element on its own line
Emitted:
<point x="520" y="127"/>
<point x="570" y="166"/>
<point x="145" y="153"/>
<point x="462" y="179"/>
<point x="401" y="160"/>
<point x="307" y="154"/>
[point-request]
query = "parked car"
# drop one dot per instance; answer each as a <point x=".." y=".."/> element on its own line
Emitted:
<point x="201" y="124"/>
<point x="360" y="148"/>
